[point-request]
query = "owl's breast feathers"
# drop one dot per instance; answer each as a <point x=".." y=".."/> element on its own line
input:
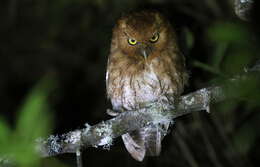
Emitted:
<point x="132" y="84"/>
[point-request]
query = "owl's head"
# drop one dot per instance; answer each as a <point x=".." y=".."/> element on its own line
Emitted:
<point x="143" y="34"/>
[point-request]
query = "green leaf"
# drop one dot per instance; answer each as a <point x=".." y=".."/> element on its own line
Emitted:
<point x="228" y="32"/>
<point x="34" y="116"/>
<point x="25" y="155"/>
<point x="33" y="121"/>
<point x="5" y="134"/>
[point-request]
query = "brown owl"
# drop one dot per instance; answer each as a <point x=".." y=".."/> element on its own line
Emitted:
<point x="145" y="65"/>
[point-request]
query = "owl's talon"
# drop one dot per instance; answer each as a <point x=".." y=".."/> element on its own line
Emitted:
<point x="166" y="104"/>
<point x="112" y="113"/>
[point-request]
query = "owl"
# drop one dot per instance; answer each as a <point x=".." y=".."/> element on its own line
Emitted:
<point x="145" y="65"/>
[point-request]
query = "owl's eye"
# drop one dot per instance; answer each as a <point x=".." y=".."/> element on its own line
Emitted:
<point x="132" y="41"/>
<point x="154" y="38"/>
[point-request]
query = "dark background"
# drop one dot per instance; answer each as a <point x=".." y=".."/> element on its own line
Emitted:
<point x="70" y="40"/>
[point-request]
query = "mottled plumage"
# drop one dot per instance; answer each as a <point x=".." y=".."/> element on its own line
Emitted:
<point x="145" y="65"/>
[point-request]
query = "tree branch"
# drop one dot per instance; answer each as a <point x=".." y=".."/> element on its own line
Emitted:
<point x="103" y="133"/>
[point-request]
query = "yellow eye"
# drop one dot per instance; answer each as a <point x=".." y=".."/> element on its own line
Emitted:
<point x="132" y="41"/>
<point x="154" y="38"/>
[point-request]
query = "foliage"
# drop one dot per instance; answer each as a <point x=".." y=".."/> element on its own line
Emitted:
<point x="34" y="120"/>
<point x="234" y="53"/>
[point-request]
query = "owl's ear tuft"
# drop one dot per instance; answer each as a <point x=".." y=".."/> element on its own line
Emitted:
<point x="122" y="24"/>
<point x="158" y="18"/>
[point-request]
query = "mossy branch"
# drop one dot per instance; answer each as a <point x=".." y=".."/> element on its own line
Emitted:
<point x="103" y="133"/>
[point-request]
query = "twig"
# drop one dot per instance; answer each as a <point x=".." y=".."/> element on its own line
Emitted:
<point x="79" y="158"/>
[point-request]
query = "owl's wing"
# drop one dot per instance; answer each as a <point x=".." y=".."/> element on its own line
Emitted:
<point x="107" y="74"/>
<point x="109" y="88"/>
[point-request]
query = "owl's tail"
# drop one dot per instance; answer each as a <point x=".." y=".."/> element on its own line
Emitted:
<point x="145" y="141"/>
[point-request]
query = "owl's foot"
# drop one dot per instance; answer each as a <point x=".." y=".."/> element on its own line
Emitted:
<point x="167" y="102"/>
<point x="113" y="113"/>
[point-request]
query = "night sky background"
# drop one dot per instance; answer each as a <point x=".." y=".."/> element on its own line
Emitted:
<point x="69" y="40"/>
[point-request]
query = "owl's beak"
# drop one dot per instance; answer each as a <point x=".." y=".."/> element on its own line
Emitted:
<point x="144" y="53"/>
